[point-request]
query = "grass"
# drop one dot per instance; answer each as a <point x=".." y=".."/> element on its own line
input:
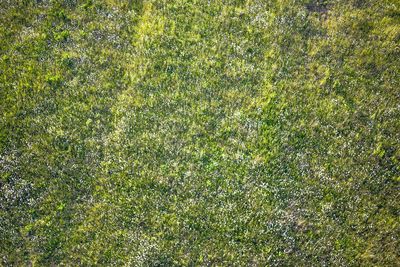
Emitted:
<point x="199" y="133"/>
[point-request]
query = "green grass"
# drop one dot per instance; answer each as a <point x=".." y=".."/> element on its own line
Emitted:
<point x="199" y="133"/>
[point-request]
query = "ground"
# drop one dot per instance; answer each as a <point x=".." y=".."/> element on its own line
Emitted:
<point x="199" y="133"/>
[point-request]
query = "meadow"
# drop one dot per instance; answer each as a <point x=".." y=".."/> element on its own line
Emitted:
<point x="199" y="132"/>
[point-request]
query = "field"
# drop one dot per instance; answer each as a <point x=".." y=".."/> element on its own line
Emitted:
<point x="199" y="133"/>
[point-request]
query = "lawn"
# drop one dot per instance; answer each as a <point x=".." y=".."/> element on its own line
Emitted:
<point x="199" y="133"/>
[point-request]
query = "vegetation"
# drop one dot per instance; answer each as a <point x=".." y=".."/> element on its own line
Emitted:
<point x="200" y="133"/>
